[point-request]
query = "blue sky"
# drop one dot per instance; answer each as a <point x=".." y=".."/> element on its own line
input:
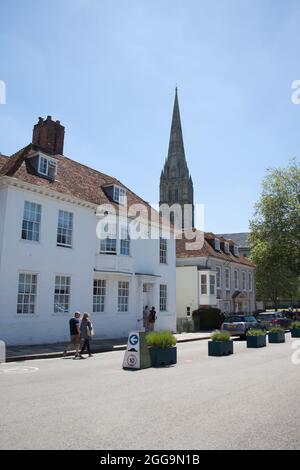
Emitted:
<point x="107" y="70"/>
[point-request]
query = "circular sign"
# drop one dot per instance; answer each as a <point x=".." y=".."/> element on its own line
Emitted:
<point x="131" y="360"/>
<point x="134" y="339"/>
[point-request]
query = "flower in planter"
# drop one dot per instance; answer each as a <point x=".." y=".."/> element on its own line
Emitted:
<point x="162" y="347"/>
<point x="256" y="332"/>
<point x="295" y="325"/>
<point x="276" y="329"/>
<point x="220" y="336"/>
<point x="161" y="339"/>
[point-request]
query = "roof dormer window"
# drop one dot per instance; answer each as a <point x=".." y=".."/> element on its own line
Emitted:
<point x="236" y="250"/>
<point x="119" y="195"/>
<point x="217" y="244"/>
<point x="226" y="248"/>
<point x="47" y="167"/>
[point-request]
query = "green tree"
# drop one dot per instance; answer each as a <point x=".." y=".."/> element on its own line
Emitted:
<point x="275" y="234"/>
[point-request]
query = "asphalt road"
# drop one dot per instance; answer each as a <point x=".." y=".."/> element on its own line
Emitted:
<point x="250" y="400"/>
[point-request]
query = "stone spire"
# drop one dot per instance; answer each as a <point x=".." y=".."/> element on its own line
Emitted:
<point x="176" y="184"/>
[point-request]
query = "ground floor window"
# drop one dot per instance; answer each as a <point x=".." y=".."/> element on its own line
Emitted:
<point x="62" y="294"/>
<point x="163" y="297"/>
<point x="27" y="293"/>
<point x="123" y="296"/>
<point x="99" y="292"/>
<point x="203" y="284"/>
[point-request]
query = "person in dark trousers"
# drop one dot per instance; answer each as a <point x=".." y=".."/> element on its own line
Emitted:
<point x="86" y="332"/>
<point x="74" y="324"/>
<point x="152" y="319"/>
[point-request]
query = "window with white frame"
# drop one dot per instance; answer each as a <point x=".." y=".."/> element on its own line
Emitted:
<point x="108" y="242"/>
<point x="188" y="311"/>
<point x="47" y="167"/>
<point x="236" y="280"/>
<point x="217" y="244"/>
<point x="163" y="246"/>
<point x="163" y="297"/>
<point x="27" y="289"/>
<point x="226" y="248"/>
<point x="218" y="277"/>
<point x="124" y="242"/>
<point x="212" y="284"/>
<point x="119" y="195"/>
<point x="243" y="280"/>
<point x="250" y="281"/>
<point x="123" y="296"/>
<point x="236" y="250"/>
<point x="203" y="284"/>
<point x="62" y="294"/>
<point x="99" y="292"/>
<point x="65" y="229"/>
<point x="227" y="278"/>
<point x="31" y="221"/>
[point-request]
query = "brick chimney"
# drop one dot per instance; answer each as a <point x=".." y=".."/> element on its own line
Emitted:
<point x="49" y="136"/>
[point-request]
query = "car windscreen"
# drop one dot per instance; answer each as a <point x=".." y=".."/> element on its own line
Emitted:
<point x="250" y="319"/>
<point x="234" y="319"/>
<point x="266" y="317"/>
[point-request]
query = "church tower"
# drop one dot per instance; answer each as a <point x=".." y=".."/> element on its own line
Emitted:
<point x="176" y="185"/>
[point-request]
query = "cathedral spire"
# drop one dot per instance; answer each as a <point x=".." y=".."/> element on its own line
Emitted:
<point x="176" y="163"/>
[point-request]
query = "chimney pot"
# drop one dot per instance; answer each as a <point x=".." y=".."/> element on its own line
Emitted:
<point x="49" y="136"/>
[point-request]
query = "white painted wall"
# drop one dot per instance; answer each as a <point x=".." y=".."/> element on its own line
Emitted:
<point x="79" y="262"/>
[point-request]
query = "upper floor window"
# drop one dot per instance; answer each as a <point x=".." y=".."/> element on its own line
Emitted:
<point x="48" y="167"/>
<point x="27" y="288"/>
<point x="244" y="280"/>
<point x="236" y="280"/>
<point x="250" y="281"/>
<point x="226" y="248"/>
<point x="227" y="279"/>
<point x="31" y="221"/>
<point x="65" y="229"/>
<point x="236" y="250"/>
<point x="108" y="242"/>
<point x="163" y="250"/>
<point x="217" y="244"/>
<point x="218" y="269"/>
<point x="203" y="284"/>
<point x="212" y="284"/>
<point x="119" y="195"/>
<point x="124" y="242"/>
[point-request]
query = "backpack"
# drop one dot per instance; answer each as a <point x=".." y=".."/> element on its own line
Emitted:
<point x="152" y="316"/>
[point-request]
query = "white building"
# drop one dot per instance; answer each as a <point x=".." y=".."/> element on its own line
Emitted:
<point x="215" y="275"/>
<point x="51" y="261"/>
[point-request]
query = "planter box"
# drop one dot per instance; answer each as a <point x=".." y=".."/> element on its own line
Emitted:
<point x="220" y="348"/>
<point x="256" y="341"/>
<point x="276" y="337"/>
<point x="295" y="332"/>
<point x="163" y="357"/>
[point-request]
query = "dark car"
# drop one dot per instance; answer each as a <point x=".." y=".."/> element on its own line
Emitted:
<point x="238" y="325"/>
<point x="270" y="319"/>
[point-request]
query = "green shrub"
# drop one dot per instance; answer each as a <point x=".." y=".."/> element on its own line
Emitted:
<point x="276" y="329"/>
<point x="256" y="332"/>
<point x="220" y="336"/>
<point x="295" y="324"/>
<point x="161" y="339"/>
<point x="207" y="318"/>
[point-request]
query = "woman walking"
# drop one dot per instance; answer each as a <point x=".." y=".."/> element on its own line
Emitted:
<point x="86" y="333"/>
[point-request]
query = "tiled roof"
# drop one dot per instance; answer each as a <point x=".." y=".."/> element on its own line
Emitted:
<point x="73" y="179"/>
<point x="3" y="159"/>
<point x="208" y="250"/>
<point x="241" y="239"/>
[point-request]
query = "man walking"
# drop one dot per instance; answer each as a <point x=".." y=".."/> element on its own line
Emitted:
<point x="146" y="313"/>
<point x="74" y="325"/>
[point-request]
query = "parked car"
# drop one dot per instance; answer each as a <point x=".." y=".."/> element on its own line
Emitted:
<point x="270" y="319"/>
<point x="238" y="325"/>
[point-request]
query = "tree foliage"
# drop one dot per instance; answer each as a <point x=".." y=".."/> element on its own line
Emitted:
<point x="275" y="234"/>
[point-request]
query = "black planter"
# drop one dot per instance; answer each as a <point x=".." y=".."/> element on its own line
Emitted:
<point x="163" y="356"/>
<point x="295" y="332"/>
<point x="256" y="341"/>
<point x="220" y="348"/>
<point x="277" y="337"/>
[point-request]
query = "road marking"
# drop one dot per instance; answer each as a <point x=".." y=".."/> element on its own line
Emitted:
<point x="18" y="370"/>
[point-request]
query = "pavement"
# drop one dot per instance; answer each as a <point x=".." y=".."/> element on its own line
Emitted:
<point x="249" y="400"/>
<point x="53" y="350"/>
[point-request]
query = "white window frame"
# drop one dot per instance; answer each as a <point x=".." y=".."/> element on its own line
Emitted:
<point x="236" y="279"/>
<point x="33" y="220"/>
<point x="219" y="277"/>
<point x="236" y="250"/>
<point x="188" y="311"/>
<point x="108" y="242"/>
<point x="203" y="277"/>
<point x="163" y="297"/>
<point x="27" y="295"/>
<point x="226" y="248"/>
<point x="47" y="163"/>
<point x="99" y="294"/>
<point x="64" y="230"/>
<point x="123" y="296"/>
<point x="250" y="281"/>
<point x="63" y="296"/>
<point x="227" y="279"/>
<point x="217" y="244"/>
<point x="244" y="281"/>
<point x="124" y="242"/>
<point x="119" y="195"/>
<point x="212" y="284"/>
<point x="163" y="250"/>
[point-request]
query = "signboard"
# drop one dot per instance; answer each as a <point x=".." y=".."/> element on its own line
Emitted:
<point x="137" y="354"/>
